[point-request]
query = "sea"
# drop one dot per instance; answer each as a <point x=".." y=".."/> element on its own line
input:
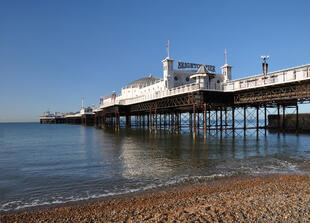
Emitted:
<point x="55" y="164"/>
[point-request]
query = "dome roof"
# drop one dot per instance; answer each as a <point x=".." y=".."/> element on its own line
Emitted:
<point x="143" y="82"/>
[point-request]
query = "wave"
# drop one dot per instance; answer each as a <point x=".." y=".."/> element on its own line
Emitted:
<point x="19" y="204"/>
<point x="250" y="167"/>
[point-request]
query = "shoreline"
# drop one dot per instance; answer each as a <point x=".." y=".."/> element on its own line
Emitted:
<point x="237" y="198"/>
<point x="217" y="180"/>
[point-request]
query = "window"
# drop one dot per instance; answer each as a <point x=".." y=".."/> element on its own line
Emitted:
<point x="187" y="79"/>
<point x="175" y="78"/>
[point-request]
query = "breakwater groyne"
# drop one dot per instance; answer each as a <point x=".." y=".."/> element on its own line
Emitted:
<point x="290" y="123"/>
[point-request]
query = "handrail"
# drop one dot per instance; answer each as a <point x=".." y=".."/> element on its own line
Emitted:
<point x="156" y="95"/>
<point x="274" y="78"/>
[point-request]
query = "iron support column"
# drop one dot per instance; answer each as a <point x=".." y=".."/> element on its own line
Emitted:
<point x="209" y="118"/>
<point x="165" y="120"/>
<point x="128" y="121"/>
<point x="204" y="117"/>
<point x="190" y="120"/>
<point x="257" y="118"/>
<point x="216" y="125"/>
<point x="297" y="119"/>
<point x="265" y="114"/>
<point x="233" y="119"/>
<point x="283" y="119"/>
<point x="244" y="119"/>
<point x="221" y="119"/>
<point x="194" y="120"/>
<point x="225" y="117"/>
<point x="278" y="117"/>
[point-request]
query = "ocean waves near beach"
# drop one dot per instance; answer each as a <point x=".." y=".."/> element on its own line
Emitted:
<point x="52" y="164"/>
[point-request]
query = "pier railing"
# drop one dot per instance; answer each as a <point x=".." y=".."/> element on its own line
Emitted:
<point x="273" y="78"/>
<point x="157" y="95"/>
<point x="162" y="94"/>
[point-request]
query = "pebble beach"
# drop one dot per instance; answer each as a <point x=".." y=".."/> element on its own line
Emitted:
<point x="272" y="198"/>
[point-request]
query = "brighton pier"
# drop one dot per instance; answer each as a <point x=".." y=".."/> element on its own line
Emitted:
<point x="202" y="100"/>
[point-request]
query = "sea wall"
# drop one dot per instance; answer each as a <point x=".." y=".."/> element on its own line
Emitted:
<point x="289" y="123"/>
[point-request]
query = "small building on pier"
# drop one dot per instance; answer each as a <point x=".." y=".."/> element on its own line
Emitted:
<point x="147" y="87"/>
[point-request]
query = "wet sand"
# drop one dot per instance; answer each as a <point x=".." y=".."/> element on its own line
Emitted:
<point x="273" y="198"/>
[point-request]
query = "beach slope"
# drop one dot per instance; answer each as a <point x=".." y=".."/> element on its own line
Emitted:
<point x="273" y="198"/>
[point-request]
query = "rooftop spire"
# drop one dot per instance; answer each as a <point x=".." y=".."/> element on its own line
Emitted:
<point x="202" y="70"/>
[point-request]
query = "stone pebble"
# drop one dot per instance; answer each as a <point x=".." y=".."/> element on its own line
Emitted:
<point x="273" y="198"/>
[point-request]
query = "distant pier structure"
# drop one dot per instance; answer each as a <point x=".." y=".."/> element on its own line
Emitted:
<point x="52" y="118"/>
<point x="194" y="96"/>
<point x="85" y="116"/>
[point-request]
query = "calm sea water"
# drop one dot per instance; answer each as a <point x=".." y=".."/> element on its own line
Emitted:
<point x="48" y="164"/>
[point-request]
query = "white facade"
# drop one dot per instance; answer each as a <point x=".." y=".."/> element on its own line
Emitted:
<point x="179" y="77"/>
<point x="150" y="86"/>
<point x="176" y="81"/>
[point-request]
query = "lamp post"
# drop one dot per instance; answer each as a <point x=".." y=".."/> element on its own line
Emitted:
<point x="265" y="64"/>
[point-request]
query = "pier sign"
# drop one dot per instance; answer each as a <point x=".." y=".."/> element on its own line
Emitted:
<point x="184" y="65"/>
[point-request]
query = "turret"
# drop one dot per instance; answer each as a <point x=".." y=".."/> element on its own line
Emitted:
<point x="203" y="77"/>
<point x="226" y="71"/>
<point x="168" y="72"/>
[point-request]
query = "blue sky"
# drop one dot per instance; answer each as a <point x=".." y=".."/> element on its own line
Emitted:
<point x="53" y="53"/>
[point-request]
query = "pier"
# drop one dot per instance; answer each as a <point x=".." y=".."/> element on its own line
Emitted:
<point x="49" y="118"/>
<point x="201" y="100"/>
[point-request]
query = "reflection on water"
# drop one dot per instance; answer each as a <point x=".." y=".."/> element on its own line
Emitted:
<point x="43" y="164"/>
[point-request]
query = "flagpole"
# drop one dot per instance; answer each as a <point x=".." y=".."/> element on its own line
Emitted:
<point x="168" y="49"/>
<point x="225" y="56"/>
